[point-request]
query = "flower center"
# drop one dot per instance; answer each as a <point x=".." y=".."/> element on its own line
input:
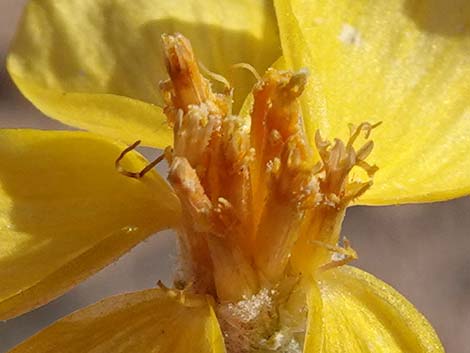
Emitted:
<point x="259" y="202"/>
<point x="262" y="204"/>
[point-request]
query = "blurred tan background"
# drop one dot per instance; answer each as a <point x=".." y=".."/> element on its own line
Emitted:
<point x="422" y="250"/>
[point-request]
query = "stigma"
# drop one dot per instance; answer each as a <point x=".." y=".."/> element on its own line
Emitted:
<point x="261" y="200"/>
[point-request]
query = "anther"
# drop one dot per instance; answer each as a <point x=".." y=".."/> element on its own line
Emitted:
<point x="189" y="87"/>
<point x="296" y="84"/>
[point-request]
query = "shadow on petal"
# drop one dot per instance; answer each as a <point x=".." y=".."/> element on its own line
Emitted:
<point x="114" y="48"/>
<point x="443" y="17"/>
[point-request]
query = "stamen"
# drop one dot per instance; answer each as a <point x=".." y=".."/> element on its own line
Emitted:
<point x="117" y="163"/>
<point x="347" y="253"/>
<point x="249" y="68"/>
<point x="216" y="77"/>
<point x="189" y="86"/>
<point x="355" y="131"/>
<point x="355" y="190"/>
<point x="228" y="91"/>
<point x="145" y="170"/>
<point x="151" y="165"/>
<point x="178" y="294"/>
<point x="365" y="150"/>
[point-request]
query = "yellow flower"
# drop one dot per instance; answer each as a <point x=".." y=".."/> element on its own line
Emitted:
<point x="258" y="210"/>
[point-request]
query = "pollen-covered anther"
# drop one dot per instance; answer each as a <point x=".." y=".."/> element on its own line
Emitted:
<point x="283" y="153"/>
<point x="236" y="143"/>
<point x="294" y="179"/>
<point x="188" y="187"/>
<point x="278" y="92"/>
<point x="193" y="131"/>
<point x="224" y="217"/>
<point x="296" y="84"/>
<point x="189" y="87"/>
<point x="193" y="110"/>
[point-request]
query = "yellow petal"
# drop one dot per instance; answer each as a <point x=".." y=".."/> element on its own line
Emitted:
<point x="314" y="331"/>
<point x="146" y="321"/>
<point x="118" y="117"/>
<point x="359" y="313"/>
<point x="402" y="62"/>
<point x="65" y="212"/>
<point x="111" y="49"/>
